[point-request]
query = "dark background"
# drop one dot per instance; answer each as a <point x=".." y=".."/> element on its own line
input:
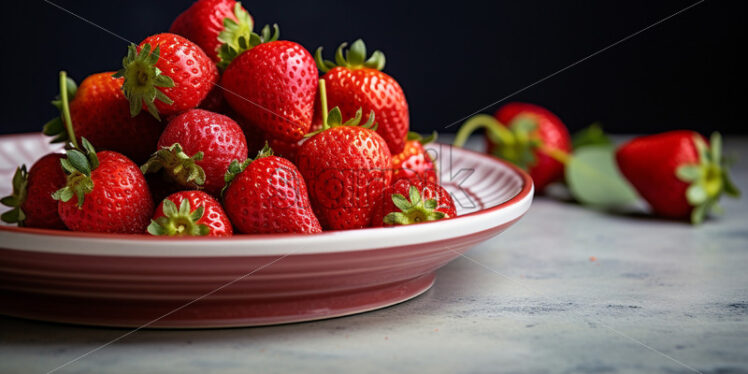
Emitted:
<point x="451" y="58"/>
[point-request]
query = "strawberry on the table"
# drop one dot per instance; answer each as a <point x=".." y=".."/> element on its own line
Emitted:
<point x="526" y="135"/>
<point x="679" y="174"/>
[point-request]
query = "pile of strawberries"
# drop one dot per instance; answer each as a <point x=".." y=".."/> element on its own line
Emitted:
<point x="214" y="93"/>
<point x="680" y="174"/>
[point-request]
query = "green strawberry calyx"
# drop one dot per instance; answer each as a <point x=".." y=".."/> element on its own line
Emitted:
<point x="518" y="143"/>
<point x="179" y="221"/>
<point x="708" y="179"/>
<point x="334" y="118"/>
<point x="78" y="166"/>
<point x="177" y="165"/>
<point x="232" y="33"/>
<point x="236" y="167"/>
<point x="17" y="198"/>
<point x="414" y="209"/>
<point x="236" y="43"/>
<point x="353" y="58"/>
<point x="60" y="128"/>
<point x="143" y="79"/>
<point x="419" y="138"/>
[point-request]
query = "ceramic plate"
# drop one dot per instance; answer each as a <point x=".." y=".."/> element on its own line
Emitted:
<point x="137" y="280"/>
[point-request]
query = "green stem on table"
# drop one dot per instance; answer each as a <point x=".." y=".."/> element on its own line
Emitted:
<point x="493" y="127"/>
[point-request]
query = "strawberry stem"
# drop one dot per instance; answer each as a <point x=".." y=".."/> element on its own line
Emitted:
<point x="323" y="102"/>
<point x="66" y="109"/>
<point x="556" y="154"/>
<point x="517" y="142"/>
<point x="490" y="124"/>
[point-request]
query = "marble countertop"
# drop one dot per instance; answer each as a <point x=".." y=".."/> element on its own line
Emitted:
<point x="566" y="290"/>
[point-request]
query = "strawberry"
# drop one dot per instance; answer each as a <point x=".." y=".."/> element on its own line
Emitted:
<point x="196" y="148"/>
<point x="105" y="192"/>
<point x="99" y="111"/>
<point x="346" y="167"/>
<point x="426" y="201"/>
<point x="190" y="213"/>
<point x="268" y="195"/>
<point x="32" y="202"/>
<point x="527" y="135"/>
<point x="414" y="162"/>
<point x="356" y="82"/>
<point x="210" y="23"/>
<point x="273" y="85"/>
<point x="677" y="172"/>
<point x="167" y="73"/>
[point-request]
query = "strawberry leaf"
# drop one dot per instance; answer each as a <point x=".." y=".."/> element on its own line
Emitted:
<point x="688" y="173"/>
<point x="17" y="198"/>
<point x="591" y="135"/>
<point x="177" y="165"/>
<point x="594" y="179"/>
<point x="143" y="80"/>
<point x="354" y="58"/>
<point x="414" y="211"/>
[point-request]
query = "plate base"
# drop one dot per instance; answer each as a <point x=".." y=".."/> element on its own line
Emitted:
<point x="207" y="312"/>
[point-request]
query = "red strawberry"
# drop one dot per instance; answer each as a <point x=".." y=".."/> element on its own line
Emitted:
<point x="273" y="85"/>
<point x="347" y="169"/>
<point x="105" y="192"/>
<point x="414" y="162"/>
<point x="190" y="213"/>
<point x="354" y="82"/>
<point x="527" y="135"/>
<point x="167" y="73"/>
<point x="210" y="23"/>
<point x="32" y="202"/>
<point x="546" y="131"/>
<point x="413" y="201"/>
<point x="678" y="174"/>
<point x="196" y="149"/>
<point x="268" y="195"/>
<point x="99" y="112"/>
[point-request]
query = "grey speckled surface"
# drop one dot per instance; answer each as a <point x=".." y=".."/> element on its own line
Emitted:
<point x="530" y="300"/>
